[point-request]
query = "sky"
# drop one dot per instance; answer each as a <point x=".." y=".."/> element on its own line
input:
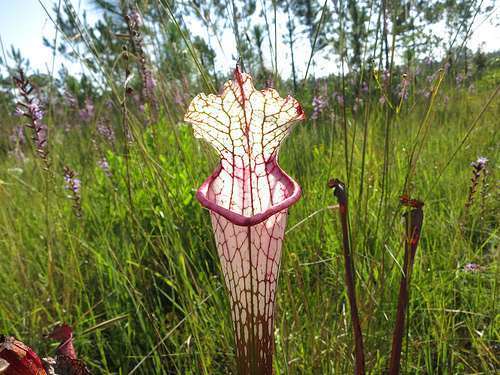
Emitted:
<point x="23" y="23"/>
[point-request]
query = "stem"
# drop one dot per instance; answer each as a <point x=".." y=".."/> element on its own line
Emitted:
<point x="126" y="133"/>
<point x="313" y="45"/>
<point x="251" y="266"/>
<point x="291" y="29"/>
<point x="340" y="194"/>
<point x="48" y="234"/>
<point x="275" y="44"/>
<point x="414" y="219"/>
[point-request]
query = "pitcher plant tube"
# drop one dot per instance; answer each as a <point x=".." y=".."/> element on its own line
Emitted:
<point x="248" y="196"/>
<point x="339" y="191"/>
<point x="414" y="218"/>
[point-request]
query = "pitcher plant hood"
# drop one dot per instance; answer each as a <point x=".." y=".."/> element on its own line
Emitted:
<point x="246" y="127"/>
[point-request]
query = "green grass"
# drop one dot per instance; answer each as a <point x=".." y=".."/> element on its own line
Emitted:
<point x="139" y="272"/>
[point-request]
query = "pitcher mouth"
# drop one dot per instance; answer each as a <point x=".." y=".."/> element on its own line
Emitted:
<point x="242" y="220"/>
<point x="246" y="127"/>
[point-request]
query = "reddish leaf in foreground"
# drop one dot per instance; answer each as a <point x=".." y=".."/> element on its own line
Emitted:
<point x="248" y="196"/>
<point x="21" y="359"/>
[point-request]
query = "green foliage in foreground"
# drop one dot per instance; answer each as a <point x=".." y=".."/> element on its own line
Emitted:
<point x="138" y="275"/>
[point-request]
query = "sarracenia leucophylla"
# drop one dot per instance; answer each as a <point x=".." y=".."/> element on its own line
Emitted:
<point x="248" y="196"/>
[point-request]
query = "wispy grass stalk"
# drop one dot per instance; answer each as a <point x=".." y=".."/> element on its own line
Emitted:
<point x="127" y="133"/>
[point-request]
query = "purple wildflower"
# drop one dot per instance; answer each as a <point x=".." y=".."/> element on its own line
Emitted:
<point x="480" y="163"/>
<point x="106" y="131"/>
<point x="76" y="185"/>
<point x="104" y="165"/>
<point x="73" y="184"/>
<point x="150" y="82"/>
<point x="472" y="267"/>
<point x="87" y="112"/>
<point x="35" y="111"/>
<point x="31" y="109"/>
<point x="340" y="100"/>
<point x="109" y="104"/>
<point x="135" y="18"/>
<point x="403" y="92"/>
<point x="478" y="169"/>
<point x="40" y="137"/>
<point x="459" y="79"/>
<point x="134" y="21"/>
<point x="18" y="112"/>
<point x="337" y="96"/>
<point x="70" y="99"/>
<point x="364" y="88"/>
<point x="319" y="104"/>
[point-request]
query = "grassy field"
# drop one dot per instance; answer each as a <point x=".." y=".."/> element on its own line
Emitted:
<point x="132" y="265"/>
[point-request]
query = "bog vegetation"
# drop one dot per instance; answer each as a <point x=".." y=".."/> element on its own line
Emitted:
<point x="99" y="223"/>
